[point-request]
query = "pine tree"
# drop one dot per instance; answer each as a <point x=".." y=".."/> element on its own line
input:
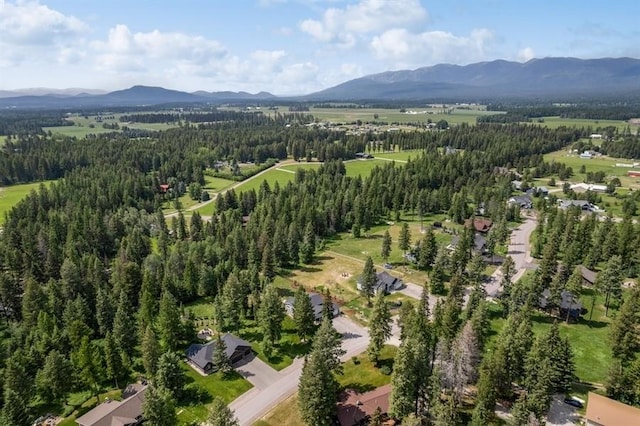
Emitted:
<point x="158" y="407"/>
<point x="116" y="367"/>
<point x="328" y="344"/>
<point x="52" y="380"/>
<point x="308" y="247"/>
<point x="404" y="239"/>
<point x="220" y="414"/>
<point x="169" y="325"/>
<point x="386" y="246"/>
<point x="446" y="413"/>
<point x="231" y="303"/>
<point x="271" y="315"/>
<point x="376" y="417"/>
<point x="268" y="263"/>
<point x="14" y="412"/>
<point x="319" y="388"/>
<point x="368" y="280"/>
<point x="170" y="375"/>
<point x="428" y="250"/>
<point x="402" y="400"/>
<point x="625" y="330"/>
<point x="609" y="282"/>
<point x="303" y="315"/>
<point x="484" y="410"/>
<point x="150" y="351"/>
<point x="221" y="361"/>
<point x="379" y="327"/>
<point x="123" y="334"/>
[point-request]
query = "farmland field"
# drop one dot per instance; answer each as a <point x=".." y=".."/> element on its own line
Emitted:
<point x="555" y="122"/>
<point x="10" y="195"/>
<point x="421" y="115"/>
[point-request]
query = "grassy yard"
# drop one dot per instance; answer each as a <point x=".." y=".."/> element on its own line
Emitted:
<point x="362" y="377"/>
<point x="589" y="339"/>
<point x="228" y="389"/>
<point x="11" y="195"/>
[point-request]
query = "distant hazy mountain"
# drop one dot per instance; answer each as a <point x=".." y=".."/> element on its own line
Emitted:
<point x="548" y="77"/>
<point x="134" y="96"/>
<point x="43" y="91"/>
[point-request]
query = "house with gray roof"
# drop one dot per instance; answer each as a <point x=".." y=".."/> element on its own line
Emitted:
<point x="569" y="304"/>
<point x="317" y="303"/>
<point x="582" y="204"/>
<point x="384" y="282"/>
<point x="200" y="356"/>
<point x="524" y="201"/>
<point x="127" y="412"/>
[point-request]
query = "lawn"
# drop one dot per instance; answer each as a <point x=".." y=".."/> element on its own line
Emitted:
<point x="77" y="131"/>
<point x="80" y="403"/>
<point x="362" y="376"/>
<point x="11" y="195"/>
<point x="216" y="385"/>
<point x="589" y="339"/>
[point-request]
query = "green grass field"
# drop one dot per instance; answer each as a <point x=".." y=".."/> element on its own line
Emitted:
<point x="555" y="122"/>
<point x="92" y="125"/>
<point x="423" y="114"/>
<point x="3" y="139"/>
<point x="11" y="195"/>
<point x="77" y="131"/>
<point x="227" y="388"/>
<point x="589" y="339"/>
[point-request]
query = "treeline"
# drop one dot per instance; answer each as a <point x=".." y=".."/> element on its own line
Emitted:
<point x="30" y="122"/>
<point x="592" y="111"/>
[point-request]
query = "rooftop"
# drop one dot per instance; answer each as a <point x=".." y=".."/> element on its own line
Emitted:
<point x="117" y="413"/>
<point x="354" y="407"/>
<point x="608" y="412"/>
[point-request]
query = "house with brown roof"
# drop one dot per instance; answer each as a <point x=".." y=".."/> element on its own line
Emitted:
<point x="480" y="224"/>
<point x="603" y="411"/>
<point x="355" y="408"/>
<point x="127" y="412"/>
<point x="588" y="276"/>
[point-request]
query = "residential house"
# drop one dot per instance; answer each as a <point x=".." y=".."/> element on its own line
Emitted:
<point x="633" y="173"/>
<point x="582" y="204"/>
<point x="127" y="412"/>
<point x="479" y="243"/>
<point x="603" y="411"/>
<point x="587" y="155"/>
<point x="357" y="408"/>
<point x="569" y="304"/>
<point x="524" y="201"/>
<point x="363" y="155"/>
<point x="588" y="276"/>
<point x="200" y="356"/>
<point x="480" y="224"/>
<point x="317" y="303"/>
<point x="582" y="187"/>
<point x="517" y="185"/>
<point x="542" y="190"/>
<point x="384" y="282"/>
<point x="595" y="136"/>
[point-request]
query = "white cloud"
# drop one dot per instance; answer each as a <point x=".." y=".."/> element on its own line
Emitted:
<point x="343" y="26"/>
<point x="402" y="48"/>
<point x="526" y="54"/>
<point x="127" y="51"/>
<point x="28" y="23"/>
<point x="31" y="32"/>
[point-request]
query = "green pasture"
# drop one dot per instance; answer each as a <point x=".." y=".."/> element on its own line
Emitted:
<point x="3" y="139"/>
<point x="555" y="122"/>
<point x="423" y="115"/>
<point x="77" y="131"/>
<point x="11" y="195"/>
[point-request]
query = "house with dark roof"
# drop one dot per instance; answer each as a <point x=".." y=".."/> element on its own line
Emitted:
<point x="524" y="201"/>
<point x="317" y="303"/>
<point x="200" y="356"/>
<point x="603" y="411"/>
<point x="357" y="408"/>
<point x="127" y="412"/>
<point x="479" y="243"/>
<point x="384" y="282"/>
<point x="582" y="204"/>
<point x="569" y="304"/>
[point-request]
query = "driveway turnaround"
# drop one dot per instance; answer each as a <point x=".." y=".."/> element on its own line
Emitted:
<point x="257" y="372"/>
<point x="255" y="403"/>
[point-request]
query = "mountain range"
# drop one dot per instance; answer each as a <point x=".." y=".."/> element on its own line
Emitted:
<point x="547" y="78"/>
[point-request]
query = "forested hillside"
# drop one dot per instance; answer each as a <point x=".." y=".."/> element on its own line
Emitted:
<point x="91" y="268"/>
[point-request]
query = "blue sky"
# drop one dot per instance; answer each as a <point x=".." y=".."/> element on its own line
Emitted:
<point x="290" y="46"/>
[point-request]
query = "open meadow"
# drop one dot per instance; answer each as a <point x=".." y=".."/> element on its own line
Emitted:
<point x="93" y="124"/>
<point x="11" y="195"/>
<point x="555" y="122"/>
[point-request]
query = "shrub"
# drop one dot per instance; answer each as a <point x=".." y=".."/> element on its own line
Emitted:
<point x="386" y="370"/>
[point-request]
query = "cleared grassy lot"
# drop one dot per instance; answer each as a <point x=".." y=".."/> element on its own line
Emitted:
<point x="555" y="122"/>
<point x="11" y="195"/>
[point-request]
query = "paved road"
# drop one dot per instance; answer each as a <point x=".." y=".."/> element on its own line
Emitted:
<point x="520" y="252"/>
<point x="255" y="403"/>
